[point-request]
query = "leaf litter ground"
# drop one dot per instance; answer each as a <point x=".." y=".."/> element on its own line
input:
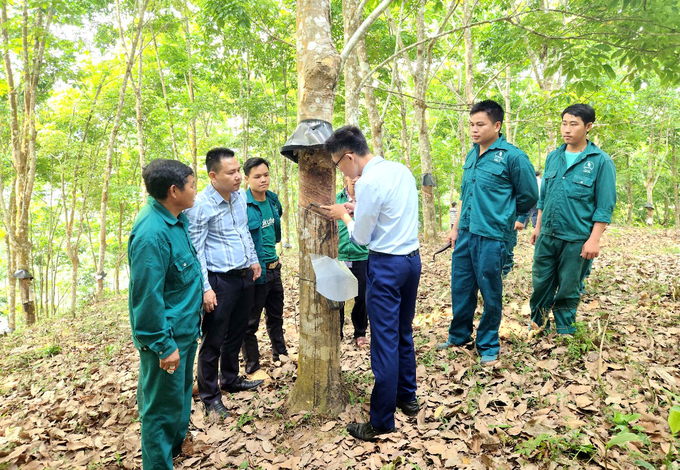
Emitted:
<point x="68" y="386"/>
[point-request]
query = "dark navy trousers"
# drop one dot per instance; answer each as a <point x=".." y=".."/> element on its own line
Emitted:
<point x="391" y="291"/>
<point x="476" y="265"/>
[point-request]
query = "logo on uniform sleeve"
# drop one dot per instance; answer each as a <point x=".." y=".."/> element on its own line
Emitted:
<point x="498" y="157"/>
<point x="588" y="167"/>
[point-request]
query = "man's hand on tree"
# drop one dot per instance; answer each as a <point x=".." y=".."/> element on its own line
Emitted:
<point x="336" y="211"/>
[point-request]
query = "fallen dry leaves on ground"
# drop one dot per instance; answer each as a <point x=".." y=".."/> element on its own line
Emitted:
<point x="68" y="385"/>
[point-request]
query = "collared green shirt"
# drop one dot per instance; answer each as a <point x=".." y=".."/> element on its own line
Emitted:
<point x="347" y="249"/>
<point x="574" y="198"/>
<point x="496" y="186"/>
<point x="166" y="286"/>
<point x="255" y="226"/>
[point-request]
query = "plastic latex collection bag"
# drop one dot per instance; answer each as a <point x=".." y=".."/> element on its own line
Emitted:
<point x="333" y="279"/>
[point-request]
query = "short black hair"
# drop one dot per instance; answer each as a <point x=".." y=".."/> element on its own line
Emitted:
<point x="582" y="110"/>
<point x="213" y="159"/>
<point x="252" y="162"/>
<point x="347" y="139"/>
<point x="538" y="172"/>
<point x="159" y="175"/>
<point x="491" y="108"/>
<point x="454" y="204"/>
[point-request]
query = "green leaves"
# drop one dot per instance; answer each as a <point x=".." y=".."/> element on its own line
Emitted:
<point x="674" y="419"/>
<point x="622" y="438"/>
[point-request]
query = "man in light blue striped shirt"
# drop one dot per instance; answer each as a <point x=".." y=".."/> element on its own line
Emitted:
<point x="218" y="227"/>
<point x="386" y="219"/>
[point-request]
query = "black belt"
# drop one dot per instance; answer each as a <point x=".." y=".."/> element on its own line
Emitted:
<point x="409" y="255"/>
<point x="236" y="272"/>
<point x="273" y="264"/>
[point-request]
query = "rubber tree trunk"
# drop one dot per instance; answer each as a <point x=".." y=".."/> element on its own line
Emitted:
<point x="35" y="26"/>
<point x="676" y="185"/>
<point x="420" y="109"/>
<point x="351" y="20"/>
<point x="319" y="381"/>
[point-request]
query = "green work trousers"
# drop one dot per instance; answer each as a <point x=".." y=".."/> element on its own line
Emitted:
<point x="557" y="273"/>
<point x="164" y="402"/>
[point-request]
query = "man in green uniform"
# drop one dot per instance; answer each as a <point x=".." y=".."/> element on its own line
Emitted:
<point x="165" y="302"/>
<point x="498" y="183"/>
<point x="578" y="194"/>
<point x="264" y="223"/>
<point x="355" y="257"/>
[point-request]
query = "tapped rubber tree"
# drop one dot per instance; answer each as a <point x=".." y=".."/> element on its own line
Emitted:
<point x="319" y="382"/>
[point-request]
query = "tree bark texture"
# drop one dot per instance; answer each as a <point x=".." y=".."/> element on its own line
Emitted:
<point x="351" y="20"/>
<point x="34" y="25"/>
<point x="420" y="111"/>
<point x="319" y="382"/>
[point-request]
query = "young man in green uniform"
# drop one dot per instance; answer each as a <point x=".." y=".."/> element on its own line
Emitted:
<point x="498" y="183"/>
<point x="577" y="199"/>
<point x="165" y="302"/>
<point x="355" y="257"/>
<point x="264" y="223"/>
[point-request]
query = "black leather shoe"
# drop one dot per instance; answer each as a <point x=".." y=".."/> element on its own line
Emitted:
<point x="242" y="385"/>
<point x="217" y="408"/>
<point x="409" y="408"/>
<point x="365" y="431"/>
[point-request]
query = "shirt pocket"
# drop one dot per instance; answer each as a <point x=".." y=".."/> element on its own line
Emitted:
<point x="467" y="177"/>
<point x="549" y="177"/>
<point x="581" y="187"/>
<point x="491" y="176"/>
<point x="182" y="270"/>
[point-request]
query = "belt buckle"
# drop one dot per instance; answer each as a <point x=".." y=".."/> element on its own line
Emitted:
<point x="273" y="265"/>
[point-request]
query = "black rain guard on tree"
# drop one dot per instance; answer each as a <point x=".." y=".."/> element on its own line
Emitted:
<point x="428" y="179"/>
<point x="309" y="134"/>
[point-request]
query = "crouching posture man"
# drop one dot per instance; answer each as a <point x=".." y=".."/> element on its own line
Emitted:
<point x="166" y="300"/>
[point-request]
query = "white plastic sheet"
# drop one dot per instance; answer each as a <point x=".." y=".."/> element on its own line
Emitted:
<point x="333" y="279"/>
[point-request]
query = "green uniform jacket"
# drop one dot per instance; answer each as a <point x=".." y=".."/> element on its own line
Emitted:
<point x="497" y="185"/>
<point x="166" y="286"/>
<point x="255" y="226"/>
<point x="347" y="249"/>
<point x="573" y="199"/>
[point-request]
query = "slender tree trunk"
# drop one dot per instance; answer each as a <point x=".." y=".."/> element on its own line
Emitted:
<point x="139" y="114"/>
<point x="506" y="95"/>
<point x="351" y="20"/>
<point x="285" y="171"/>
<point x="420" y="111"/>
<point x="189" y="78"/>
<point x="170" y="119"/>
<point x="374" y="120"/>
<point x="404" y="131"/>
<point x="676" y="184"/>
<point x="629" y="191"/>
<point x="120" y="255"/>
<point x="23" y="133"/>
<point x="9" y="221"/>
<point x="319" y="382"/>
<point x="111" y="148"/>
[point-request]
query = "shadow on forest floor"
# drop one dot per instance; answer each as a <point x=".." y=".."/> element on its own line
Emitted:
<point x="68" y="385"/>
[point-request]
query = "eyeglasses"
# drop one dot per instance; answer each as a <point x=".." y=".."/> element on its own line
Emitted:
<point x="338" y="162"/>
